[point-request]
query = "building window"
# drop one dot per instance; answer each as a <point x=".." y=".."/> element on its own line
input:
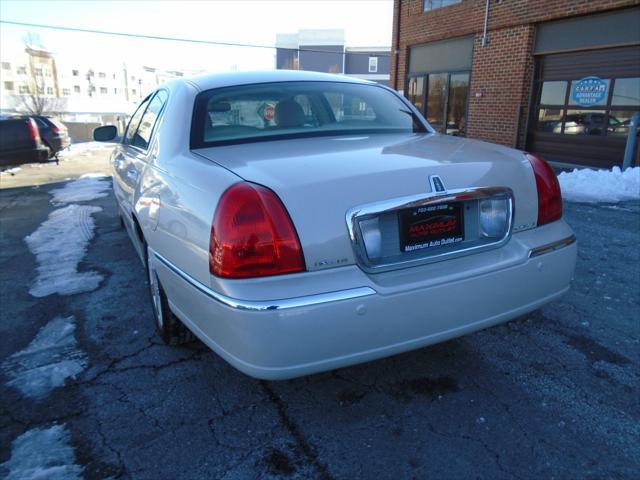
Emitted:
<point x="23" y="89"/>
<point x="102" y="75"/>
<point x="415" y="92"/>
<point x="6" y="66"/>
<point x="66" y="91"/>
<point x="587" y="106"/>
<point x="22" y="70"/>
<point x="49" y="91"/>
<point x="133" y="92"/>
<point x="435" y="4"/>
<point x="38" y="72"/>
<point x="47" y="72"/>
<point x="76" y="89"/>
<point x="442" y="98"/>
<point x="373" y="64"/>
<point x="103" y="90"/>
<point x="8" y="86"/>
<point x="115" y="91"/>
<point x="92" y="88"/>
<point x="75" y="73"/>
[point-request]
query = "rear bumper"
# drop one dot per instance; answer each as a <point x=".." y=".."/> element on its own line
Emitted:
<point x="58" y="143"/>
<point x="384" y="315"/>
<point x="18" y="157"/>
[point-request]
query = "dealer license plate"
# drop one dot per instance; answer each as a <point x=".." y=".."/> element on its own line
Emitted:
<point x="431" y="226"/>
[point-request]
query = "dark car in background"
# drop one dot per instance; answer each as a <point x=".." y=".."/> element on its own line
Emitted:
<point x="20" y="142"/>
<point x="53" y="133"/>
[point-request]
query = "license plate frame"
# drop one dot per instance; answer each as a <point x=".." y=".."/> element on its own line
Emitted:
<point x="431" y="226"/>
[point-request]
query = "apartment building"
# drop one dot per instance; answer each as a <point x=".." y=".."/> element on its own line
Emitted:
<point x="87" y="91"/>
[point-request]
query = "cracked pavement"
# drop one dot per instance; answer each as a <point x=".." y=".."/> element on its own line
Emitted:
<point x="553" y="395"/>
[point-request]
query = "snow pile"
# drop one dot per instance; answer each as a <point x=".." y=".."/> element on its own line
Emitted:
<point x="60" y="244"/>
<point x="10" y="171"/>
<point x="88" y="187"/>
<point x="47" y="362"/>
<point x="43" y="453"/>
<point x="607" y="186"/>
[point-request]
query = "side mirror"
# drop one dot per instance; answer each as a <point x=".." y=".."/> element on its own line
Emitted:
<point x="107" y="133"/>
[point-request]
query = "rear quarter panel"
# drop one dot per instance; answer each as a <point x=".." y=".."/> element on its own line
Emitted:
<point x="183" y="187"/>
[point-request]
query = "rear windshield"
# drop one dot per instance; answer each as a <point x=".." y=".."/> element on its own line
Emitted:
<point x="270" y="111"/>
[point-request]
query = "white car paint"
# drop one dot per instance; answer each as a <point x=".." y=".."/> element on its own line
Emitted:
<point x="335" y="313"/>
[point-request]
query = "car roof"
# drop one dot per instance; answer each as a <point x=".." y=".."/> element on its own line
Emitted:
<point x="217" y="80"/>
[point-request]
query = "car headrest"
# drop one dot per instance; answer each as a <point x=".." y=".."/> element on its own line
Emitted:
<point x="289" y="114"/>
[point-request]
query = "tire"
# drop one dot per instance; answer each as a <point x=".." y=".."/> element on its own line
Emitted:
<point x="169" y="327"/>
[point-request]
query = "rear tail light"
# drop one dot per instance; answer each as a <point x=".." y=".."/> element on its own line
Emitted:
<point x="55" y="130"/>
<point x="33" y="130"/>
<point x="549" y="196"/>
<point x="252" y="235"/>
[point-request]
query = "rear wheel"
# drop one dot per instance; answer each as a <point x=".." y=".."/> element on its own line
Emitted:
<point x="169" y="327"/>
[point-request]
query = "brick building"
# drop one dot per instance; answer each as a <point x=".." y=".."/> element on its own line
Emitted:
<point x="560" y="78"/>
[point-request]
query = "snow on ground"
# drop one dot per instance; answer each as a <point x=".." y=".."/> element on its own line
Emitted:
<point x="10" y="171"/>
<point x="606" y="186"/>
<point x="88" y="187"/>
<point x="83" y="148"/>
<point x="43" y="453"/>
<point x="59" y="244"/>
<point x="47" y="362"/>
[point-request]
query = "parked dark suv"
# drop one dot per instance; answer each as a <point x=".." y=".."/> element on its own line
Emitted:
<point x="53" y="133"/>
<point x="20" y="142"/>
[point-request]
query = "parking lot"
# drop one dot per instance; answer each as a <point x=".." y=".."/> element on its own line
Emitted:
<point x="553" y="395"/>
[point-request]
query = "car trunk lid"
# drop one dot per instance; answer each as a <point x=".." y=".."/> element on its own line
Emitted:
<point x="321" y="179"/>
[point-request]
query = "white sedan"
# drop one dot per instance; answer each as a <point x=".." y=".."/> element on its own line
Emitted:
<point x="299" y="222"/>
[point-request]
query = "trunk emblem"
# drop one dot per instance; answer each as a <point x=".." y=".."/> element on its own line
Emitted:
<point x="437" y="185"/>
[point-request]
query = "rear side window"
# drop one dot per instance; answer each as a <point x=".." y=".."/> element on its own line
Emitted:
<point x="270" y="111"/>
<point x="40" y="122"/>
<point x="134" y="122"/>
<point x="143" y="136"/>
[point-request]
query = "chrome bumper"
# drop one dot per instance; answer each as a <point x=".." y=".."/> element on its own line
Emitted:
<point x="258" y="306"/>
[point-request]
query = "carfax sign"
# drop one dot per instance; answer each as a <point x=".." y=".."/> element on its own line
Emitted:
<point x="589" y="91"/>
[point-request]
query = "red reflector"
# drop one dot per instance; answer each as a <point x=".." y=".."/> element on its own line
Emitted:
<point x="252" y="235"/>
<point x="34" y="134"/>
<point x="549" y="195"/>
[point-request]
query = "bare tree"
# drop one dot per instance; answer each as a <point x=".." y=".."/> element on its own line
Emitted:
<point x="38" y="100"/>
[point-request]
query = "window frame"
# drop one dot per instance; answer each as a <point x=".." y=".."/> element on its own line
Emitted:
<point x="432" y="9"/>
<point x="373" y="62"/>
<point x="145" y="103"/>
<point x="196" y="135"/>
<point x="566" y="106"/>
<point x="425" y="92"/>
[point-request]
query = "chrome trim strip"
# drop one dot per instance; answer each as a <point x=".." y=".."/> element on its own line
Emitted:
<point x="550" y="247"/>
<point x="262" y="305"/>
<point x="458" y="195"/>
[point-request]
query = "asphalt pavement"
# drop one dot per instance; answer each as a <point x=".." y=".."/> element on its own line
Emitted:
<point x="553" y="395"/>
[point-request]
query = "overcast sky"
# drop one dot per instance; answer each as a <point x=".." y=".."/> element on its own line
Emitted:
<point x="366" y="23"/>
